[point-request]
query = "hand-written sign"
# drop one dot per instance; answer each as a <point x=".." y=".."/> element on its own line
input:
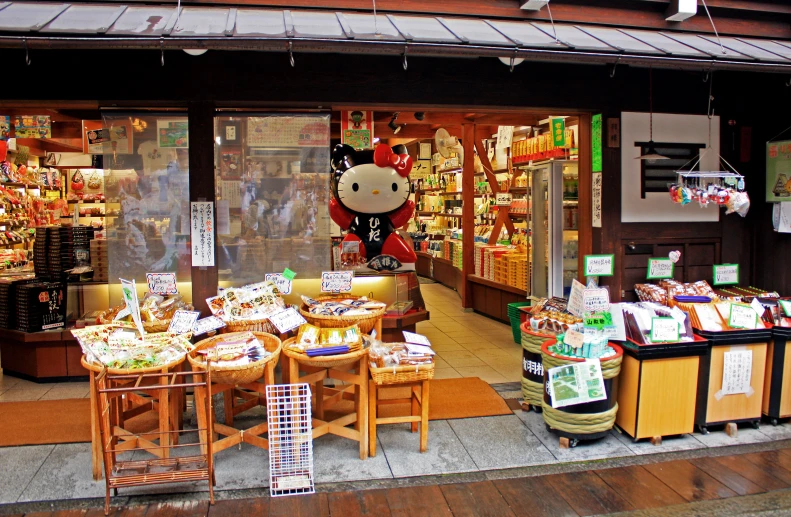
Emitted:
<point x="411" y="337"/>
<point x="597" y="321"/>
<point x="504" y="198"/>
<point x="283" y="284"/>
<point x="162" y="283"/>
<point x="336" y="281"/>
<point x="599" y="265"/>
<point x="664" y="330"/>
<point x="725" y="274"/>
<point x="574" y="305"/>
<point x="660" y="268"/>
<point x="287" y="320"/>
<point x="202" y="233"/>
<point x="737" y="369"/>
<point x="574" y="339"/>
<point x="129" y="290"/>
<point x="207" y="325"/>
<point x="595" y="300"/>
<point x="183" y="322"/>
<point x="742" y="317"/>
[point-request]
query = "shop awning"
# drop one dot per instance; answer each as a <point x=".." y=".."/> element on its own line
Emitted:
<point x="77" y="26"/>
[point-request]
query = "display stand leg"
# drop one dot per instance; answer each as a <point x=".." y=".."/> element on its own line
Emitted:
<point x="200" y="413"/>
<point x="96" y="444"/>
<point x="164" y="416"/>
<point x="415" y="407"/>
<point x="732" y="430"/>
<point x="319" y="392"/>
<point x="361" y="395"/>
<point x="424" y="416"/>
<point x="372" y="411"/>
<point x="656" y="440"/>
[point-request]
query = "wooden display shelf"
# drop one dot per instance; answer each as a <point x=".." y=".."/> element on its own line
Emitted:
<point x="29" y="186"/>
<point x="394" y="325"/>
<point x="492" y="299"/>
<point x="51" y="355"/>
<point x="495" y="285"/>
<point x="450" y="171"/>
<point x="439" y="214"/>
<point x="424" y="190"/>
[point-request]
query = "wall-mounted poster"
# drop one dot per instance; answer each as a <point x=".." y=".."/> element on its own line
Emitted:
<point x="5" y="127"/>
<point x="778" y="171"/>
<point x="116" y="139"/>
<point x="295" y="131"/>
<point x="173" y="133"/>
<point x="32" y="126"/>
<point x="357" y="129"/>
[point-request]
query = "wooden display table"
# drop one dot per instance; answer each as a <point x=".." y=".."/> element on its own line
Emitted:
<point x="168" y="405"/>
<point x="392" y="327"/>
<point x="352" y="369"/>
<point x="242" y="390"/>
<point x="51" y="355"/>
<point x="492" y="298"/>
<point x="657" y="389"/>
<point x="714" y="408"/>
<point x="418" y="414"/>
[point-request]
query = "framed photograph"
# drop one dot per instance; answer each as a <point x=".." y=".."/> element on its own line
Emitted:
<point x="230" y="132"/>
<point x="425" y="150"/>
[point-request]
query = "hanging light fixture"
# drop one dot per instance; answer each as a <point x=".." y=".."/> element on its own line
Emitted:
<point x="395" y="128"/>
<point x="650" y="152"/>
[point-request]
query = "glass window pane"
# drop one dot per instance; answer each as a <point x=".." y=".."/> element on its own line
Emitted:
<point x="272" y="178"/>
<point x="146" y="182"/>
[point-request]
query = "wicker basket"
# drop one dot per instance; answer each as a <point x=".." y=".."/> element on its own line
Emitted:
<point x="402" y="374"/>
<point x="366" y="323"/>
<point x="149" y="327"/>
<point x="96" y="367"/>
<point x="237" y="374"/>
<point x="261" y="325"/>
<point x="324" y="361"/>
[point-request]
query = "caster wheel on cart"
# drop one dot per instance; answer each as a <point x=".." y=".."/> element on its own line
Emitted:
<point x="774" y="422"/>
<point x="704" y="430"/>
<point x="756" y="424"/>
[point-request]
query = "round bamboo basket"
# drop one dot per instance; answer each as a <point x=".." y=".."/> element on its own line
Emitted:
<point x="148" y="326"/>
<point x="261" y="325"/>
<point x="236" y="375"/>
<point x="96" y="367"/>
<point x="325" y="361"/>
<point x="366" y="322"/>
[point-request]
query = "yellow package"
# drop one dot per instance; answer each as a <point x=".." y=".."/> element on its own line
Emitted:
<point x="308" y="335"/>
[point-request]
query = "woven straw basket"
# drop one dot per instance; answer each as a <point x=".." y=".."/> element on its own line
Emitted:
<point x="149" y="327"/>
<point x="96" y="367"/>
<point x="402" y="374"/>
<point x="366" y="323"/>
<point x="237" y="375"/>
<point x="323" y="361"/>
<point x="260" y="325"/>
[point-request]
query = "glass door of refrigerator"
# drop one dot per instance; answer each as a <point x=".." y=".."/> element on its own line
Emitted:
<point x="570" y="246"/>
<point x="540" y="225"/>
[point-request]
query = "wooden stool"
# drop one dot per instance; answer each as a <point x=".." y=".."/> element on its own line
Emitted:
<point x="350" y="368"/>
<point x="418" y="413"/>
<point x="168" y="404"/>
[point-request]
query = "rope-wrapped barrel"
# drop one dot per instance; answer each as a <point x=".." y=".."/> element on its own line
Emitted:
<point x="532" y="367"/>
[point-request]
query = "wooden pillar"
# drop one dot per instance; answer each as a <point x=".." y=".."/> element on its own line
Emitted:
<point x="468" y="212"/>
<point x="585" y="215"/>
<point x="201" y="153"/>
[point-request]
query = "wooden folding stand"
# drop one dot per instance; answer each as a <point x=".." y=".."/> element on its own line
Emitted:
<point x="162" y="468"/>
<point x="418" y="413"/>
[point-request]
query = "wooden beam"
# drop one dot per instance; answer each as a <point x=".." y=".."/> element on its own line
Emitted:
<point x="468" y="213"/>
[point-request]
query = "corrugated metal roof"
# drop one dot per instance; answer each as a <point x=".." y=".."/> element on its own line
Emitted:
<point x="66" y="25"/>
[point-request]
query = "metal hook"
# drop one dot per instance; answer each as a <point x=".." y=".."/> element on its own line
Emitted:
<point x="162" y="50"/>
<point x="788" y="83"/>
<point x="27" y="52"/>
<point x="614" y="66"/>
<point x="291" y="54"/>
<point x="405" y="51"/>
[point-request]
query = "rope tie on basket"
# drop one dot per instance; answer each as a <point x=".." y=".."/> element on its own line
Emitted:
<point x="579" y="423"/>
<point x="609" y="367"/>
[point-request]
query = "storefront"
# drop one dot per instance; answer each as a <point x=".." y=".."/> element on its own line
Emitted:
<point x="541" y="154"/>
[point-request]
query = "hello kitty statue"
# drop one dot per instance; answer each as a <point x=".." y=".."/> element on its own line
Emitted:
<point x="371" y="200"/>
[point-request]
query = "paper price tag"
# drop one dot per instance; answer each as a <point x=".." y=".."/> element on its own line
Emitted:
<point x="660" y="268"/>
<point x="503" y="199"/>
<point x="418" y="339"/>
<point x="786" y="306"/>
<point x="595" y="300"/>
<point x="742" y="317"/>
<point x="574" y="339"/>
<point x="183" y="322"/>
<point x="207" y="325"/>
<point x="596" y="321"/>
<point x="336" y="281"/>
<point x="757" y="307"/>
<point x="230" y="350"/>
<point x="599" y="265"/>
<point x="664" y="330"/>
<point x="726" y="274"/>
<point x="287" y="320"/>
<point x="419" y="349"/>
<point x="350" y="247"/>
<point x="162" y="283"/>
<point x="574" y="305"/>
<point x="283" y="284"/>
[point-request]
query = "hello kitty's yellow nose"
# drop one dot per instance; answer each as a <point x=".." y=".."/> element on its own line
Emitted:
<point x="374" y="192"/>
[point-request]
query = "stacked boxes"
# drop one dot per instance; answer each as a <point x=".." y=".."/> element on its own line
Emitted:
<point x="74" y="249"/>
<point x="40" y="306"/>
<point x="99" y="260"/>
<point x="8" y="296"/>
<point x="40" y="262"/>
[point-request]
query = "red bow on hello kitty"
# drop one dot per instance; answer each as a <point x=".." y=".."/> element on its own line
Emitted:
<point x="385" y="157"/>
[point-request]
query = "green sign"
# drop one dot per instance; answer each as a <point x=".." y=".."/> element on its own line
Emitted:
<point x="786" y="306"/>
<point x="596" y="142"/>
<point x="742" y="317"/>
<point x="559" y="132"/>
<point x="599" y="265"/>
<point x="660" y="268"/>
<point x="596" y="320"/>
<point x="726" y="274"/>
<point x="288" y="274"/>
<point x="778" y="171"/>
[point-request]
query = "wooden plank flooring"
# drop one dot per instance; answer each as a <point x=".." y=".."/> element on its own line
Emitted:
<point x="577" y="494"/>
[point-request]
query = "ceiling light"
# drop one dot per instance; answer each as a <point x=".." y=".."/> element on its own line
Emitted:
<point x="395" y="128"/>
<point x="419" y="115"/>
<point x="196" y="51"/>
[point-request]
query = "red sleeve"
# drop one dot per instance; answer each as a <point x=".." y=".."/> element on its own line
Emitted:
<point x="400" y="217"/>
<point x="339" y="214"/>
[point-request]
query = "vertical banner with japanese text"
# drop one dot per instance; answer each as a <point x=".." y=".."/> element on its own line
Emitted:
<point x="202" y="233"/>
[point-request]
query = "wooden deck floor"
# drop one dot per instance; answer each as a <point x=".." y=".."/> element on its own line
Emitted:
<point x="592" y="492"/>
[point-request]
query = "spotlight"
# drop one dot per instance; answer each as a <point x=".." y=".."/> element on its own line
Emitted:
<point x="420" y="115"/>
<point x="395" y="128"/>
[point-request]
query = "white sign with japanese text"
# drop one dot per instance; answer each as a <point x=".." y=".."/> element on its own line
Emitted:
<point x="202" y="233"/>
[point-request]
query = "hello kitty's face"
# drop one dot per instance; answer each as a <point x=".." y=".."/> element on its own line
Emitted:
<point x="370" y="189"/>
